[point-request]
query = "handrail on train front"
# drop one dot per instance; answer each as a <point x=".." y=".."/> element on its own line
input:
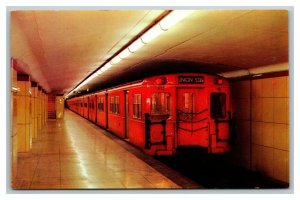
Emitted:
<point x="187" y="114"/>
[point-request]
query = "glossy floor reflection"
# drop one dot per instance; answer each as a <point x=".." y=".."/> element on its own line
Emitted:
<point x="73" y="154"/>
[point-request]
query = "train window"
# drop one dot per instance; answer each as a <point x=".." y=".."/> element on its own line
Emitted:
<point x="218" y="105"/>
<point x="112" y="104"/>
<point x="160" y="104"/>
<point x="85" y="104"/>
<point x="137" y="106"/>
<point x="188" y="102"/>
<point x="117" y="105"/>
<point x="101" y="104"/>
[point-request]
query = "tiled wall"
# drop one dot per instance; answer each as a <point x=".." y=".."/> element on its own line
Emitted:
<point x="14" y="125"/>
<point x="262" y="108"/>
<point x="24" y="103"/>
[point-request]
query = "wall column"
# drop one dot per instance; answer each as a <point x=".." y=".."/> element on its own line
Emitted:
<point x="39" y="109"/>
<point x="46" y="107"/>
<point x="43" y="109"/>
<point x="14" y="125"/>
<point x="24" y="113"/>
<point x="34" y="90"/>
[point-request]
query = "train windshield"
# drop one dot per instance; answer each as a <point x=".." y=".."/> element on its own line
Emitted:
<point x="218" y="105"/>
<point x="161" y="104"/>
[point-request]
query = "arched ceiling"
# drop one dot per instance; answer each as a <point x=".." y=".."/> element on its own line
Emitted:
<point x="59" y="49"/>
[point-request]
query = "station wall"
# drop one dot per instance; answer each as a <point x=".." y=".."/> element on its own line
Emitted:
<point x="262" y="110"/>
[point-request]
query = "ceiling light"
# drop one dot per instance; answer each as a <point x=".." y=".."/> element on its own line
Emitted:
<point x="106" y="67"/>
<point x="152" y="33"/>
<point x="115" y="60"/>
<point x="173" y="18"/>
<point x="124" y="53"/>
<point x="94" y="75"/>
<point x="99" y="72"/>
<point x="136" y="45"/>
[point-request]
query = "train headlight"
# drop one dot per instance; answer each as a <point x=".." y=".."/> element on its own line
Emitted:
<point x="218" y="81"/>
<point x="161" y="81"/>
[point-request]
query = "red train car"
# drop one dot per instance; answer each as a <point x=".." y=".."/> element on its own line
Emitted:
<point x="163" y="114"/>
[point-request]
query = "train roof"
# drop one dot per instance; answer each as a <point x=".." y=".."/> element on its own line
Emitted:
<point x="144" y="80"/>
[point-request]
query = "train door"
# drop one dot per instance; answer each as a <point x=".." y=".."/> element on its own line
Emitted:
<point x="126" y="115"/>
<point x="192" y="117"/>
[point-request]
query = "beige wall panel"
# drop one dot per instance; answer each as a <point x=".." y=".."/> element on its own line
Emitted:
<point x="14" y="127"/>
<point x="245" y="89"/>
<point x="42" y="109"/>
<point x="14" y="156"/>
<point x="28" y="109"/>
<point x="242" y="108"/>
<point x="257" y="109"/>
<point x="269" y="126"/>
<point x="267" y="87"/>
<point x="280" y="87"/>
<point x="34" y="114"/>
<point x="267" y="115"/>
<point x="35" y="128"/>
<point x="23" y="89"/>
<point x="257" y="132"/>
<point x="21" y="138"/>
<point x="243" y="131"/>
<point x="281" y="160"/>
<point x="281" y="136"/>
<point x="39" y="122"/>
<point x="21" y="110"/>
<point x="281" y="110"/>
<point x="288" y="86"/>
<point x="257" y="88"/>
<point x="288" y="111"/>
<point x="245" y="109"/>
<point x="24" y="139"/>
<point x="263" y="159"/>
<point x="267" y="134"/>
<point x="241" y="156"/>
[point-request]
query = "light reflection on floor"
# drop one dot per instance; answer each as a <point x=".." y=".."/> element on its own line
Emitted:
<point x="73" y="154"/>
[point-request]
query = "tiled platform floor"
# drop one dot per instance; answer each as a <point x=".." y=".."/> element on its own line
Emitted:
<point x="73" y="154"/>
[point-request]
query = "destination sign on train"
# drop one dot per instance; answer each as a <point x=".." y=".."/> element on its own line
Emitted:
<point x="191" y="79"/>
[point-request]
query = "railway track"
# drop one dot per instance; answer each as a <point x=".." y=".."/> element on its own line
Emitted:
<point x="214" y="172"/>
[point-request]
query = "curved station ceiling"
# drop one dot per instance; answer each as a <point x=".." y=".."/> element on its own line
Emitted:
<point x="61" y="48"/>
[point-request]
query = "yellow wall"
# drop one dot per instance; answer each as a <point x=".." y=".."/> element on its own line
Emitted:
<point x="262" y="108"/>
<point x="14" y="126"/>
<point x="34" y="112"/>
<point x="24" y="116"/>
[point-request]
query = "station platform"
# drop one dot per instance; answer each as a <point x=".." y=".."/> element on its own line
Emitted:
<point x="73" y="153"/>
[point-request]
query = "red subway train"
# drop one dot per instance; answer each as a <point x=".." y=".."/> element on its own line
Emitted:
<point x="162" y="114"/>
